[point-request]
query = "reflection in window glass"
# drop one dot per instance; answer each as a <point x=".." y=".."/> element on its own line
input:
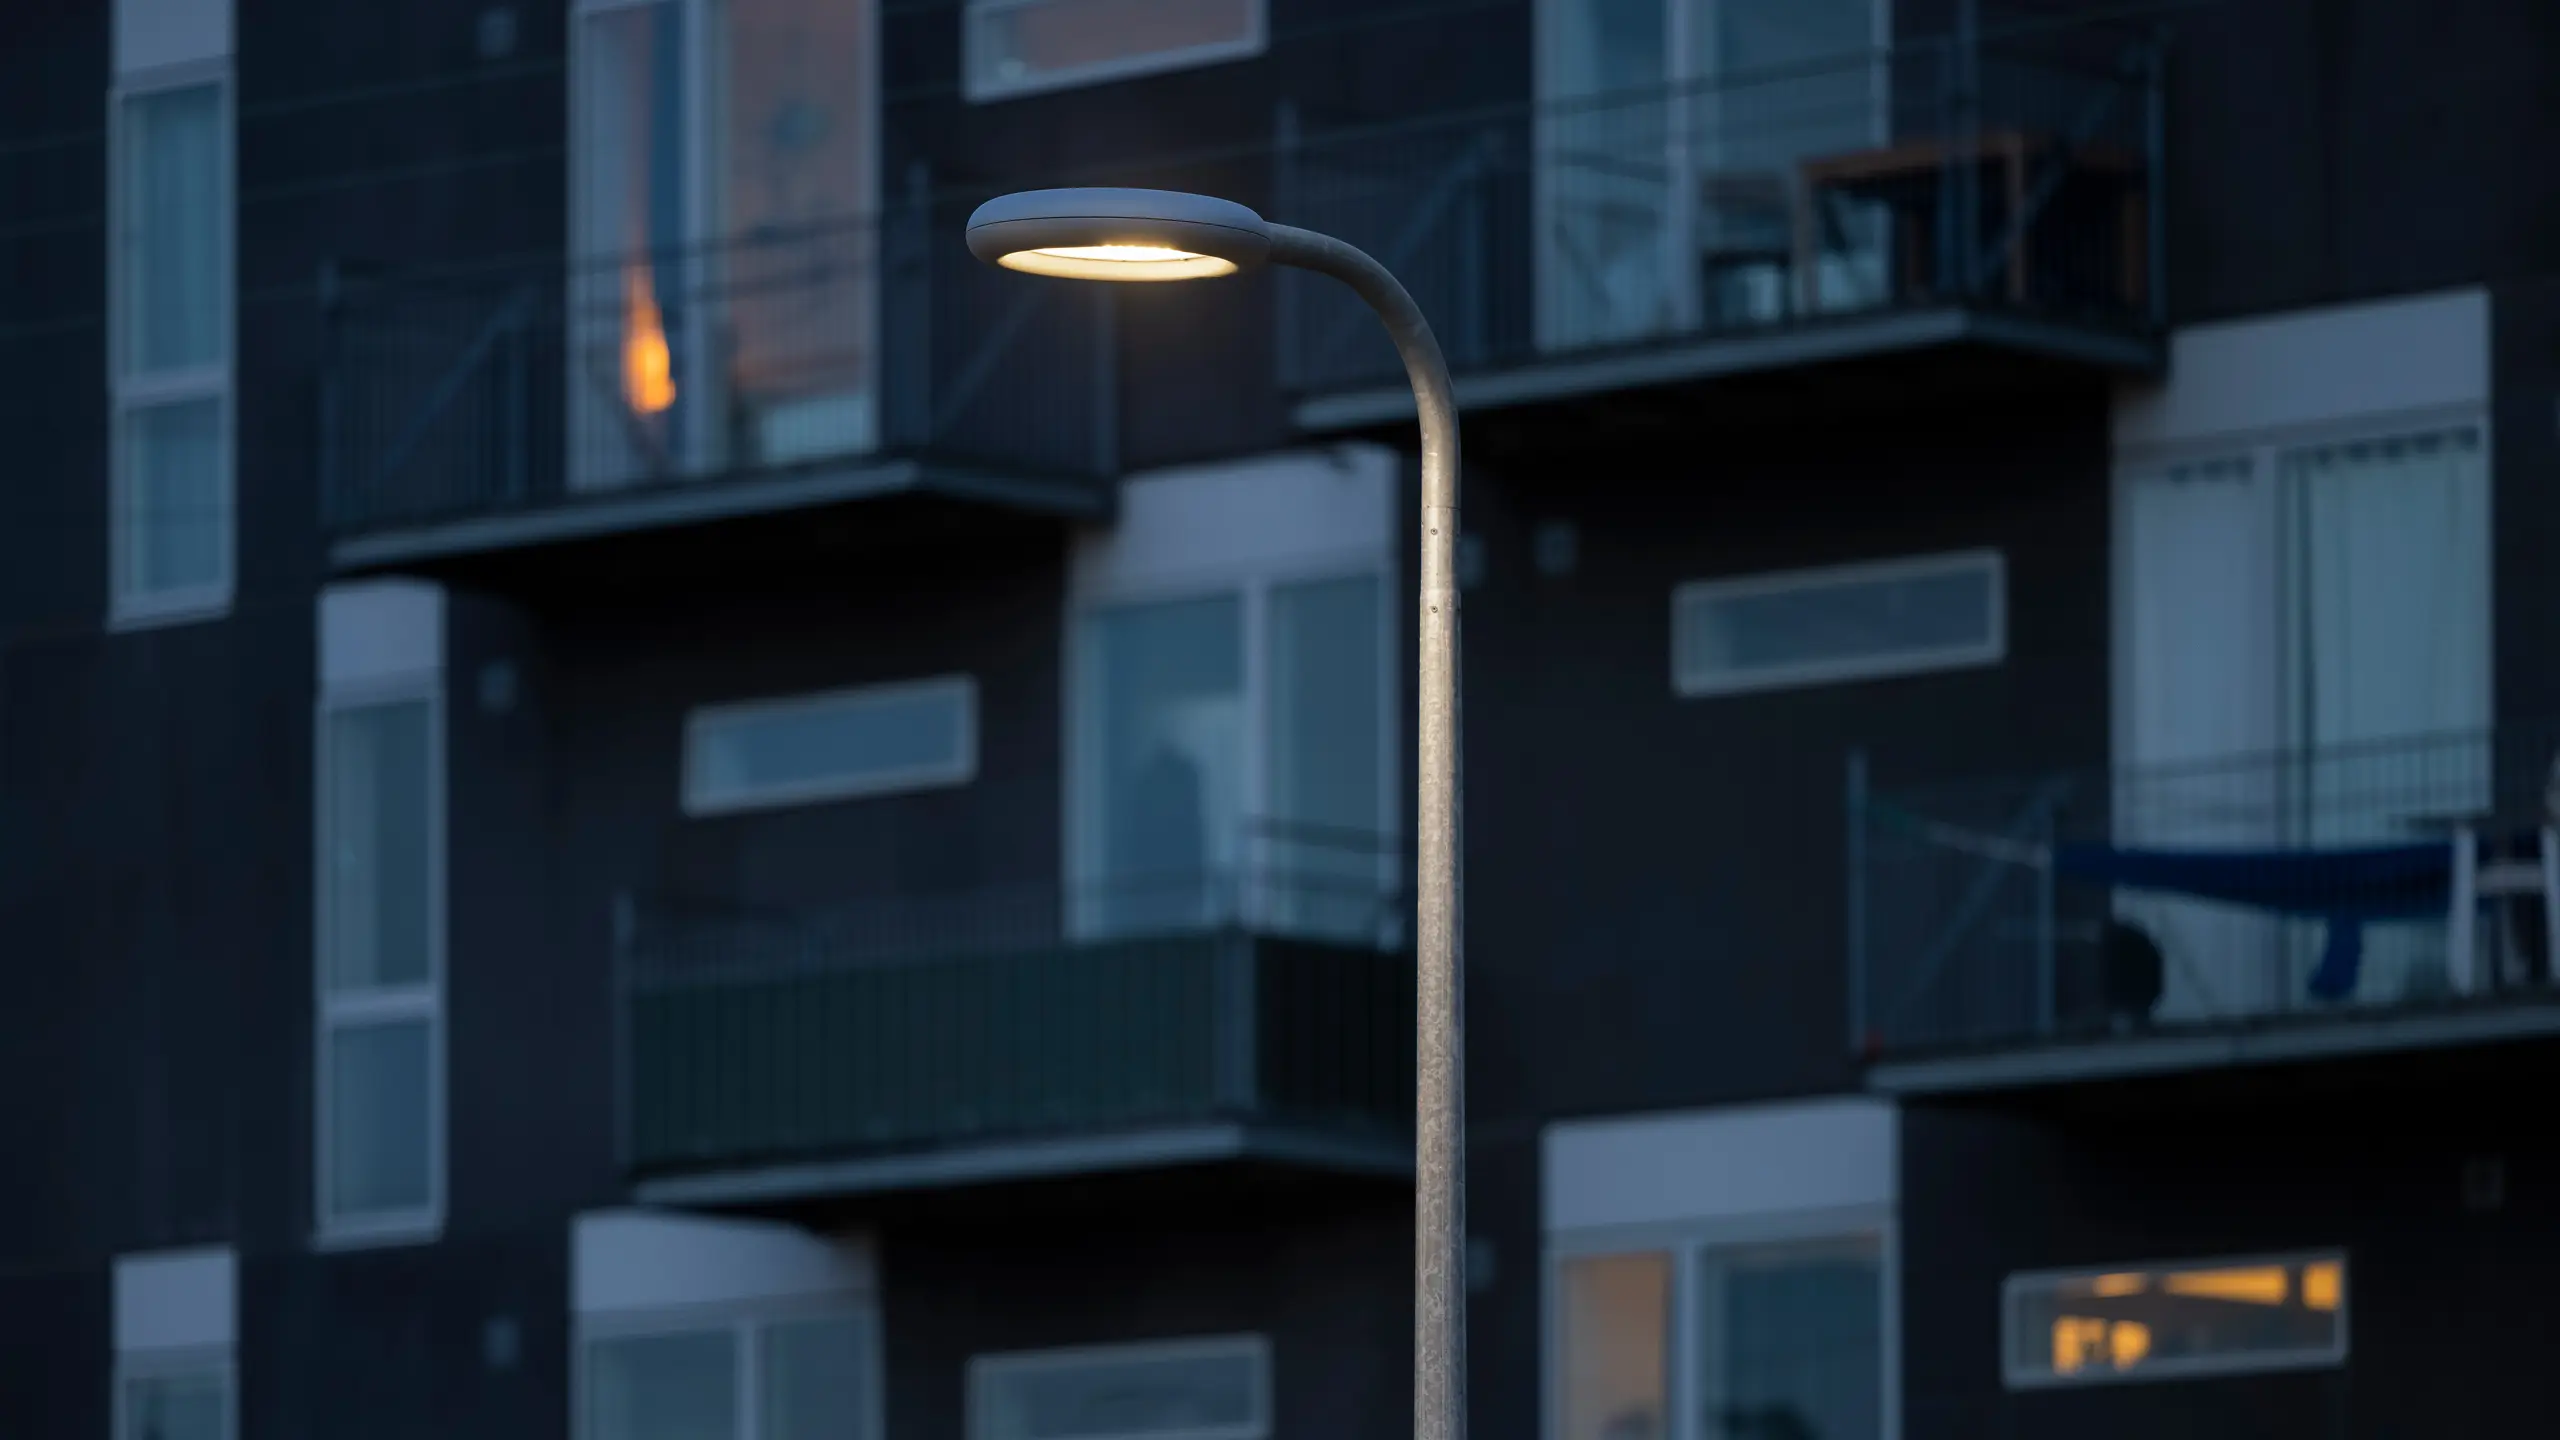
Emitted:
<point x="2218" y="1316"/>
<point x="1194" y="1392"/>
<point x="1616" y="1342"/>
<point x="193" y="1406"/>
<point x="1032" y="44"/>
<point x="856" y="742"/>
<point x="1791" y="1341"/>
<point x="663" y="1387"/>
<point x="1853" y="623"/>
<point x="378" y="836"/>
<point x="1163" y="732"/>
<point x="379" y="1140"/>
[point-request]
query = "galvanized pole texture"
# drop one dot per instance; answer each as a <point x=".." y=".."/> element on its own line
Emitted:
<point x="1439" y="1179"/>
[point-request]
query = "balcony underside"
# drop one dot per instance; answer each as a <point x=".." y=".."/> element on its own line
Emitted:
<point x="2296" y="1041"/>
<point x="1129" y="1152"/>
<point x="1882" y="357"/>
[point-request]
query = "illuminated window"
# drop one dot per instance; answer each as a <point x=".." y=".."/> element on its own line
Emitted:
<point x="2212" y="1317"/>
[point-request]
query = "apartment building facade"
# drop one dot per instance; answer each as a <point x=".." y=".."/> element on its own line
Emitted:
<point x="641" y="802"/>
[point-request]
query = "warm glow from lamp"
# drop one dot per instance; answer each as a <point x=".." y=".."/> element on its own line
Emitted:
<point x="1118" y="262"/>
<point x="2109" y="1287"/>
<point x="2248" y="1285"/>
<point x="648" y="378"/>
<point x="2324" y="1284"/>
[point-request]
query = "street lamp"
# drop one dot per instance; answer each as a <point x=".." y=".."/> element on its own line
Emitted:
<point x="1162" y="235"/>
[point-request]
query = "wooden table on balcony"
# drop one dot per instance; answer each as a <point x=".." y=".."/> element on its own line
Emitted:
<point x="1907" y="175"/>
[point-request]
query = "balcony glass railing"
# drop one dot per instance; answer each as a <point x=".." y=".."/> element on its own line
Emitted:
<point x="2354" y="877"/>
<point x="1924" y="175"/>
<point x="562" y="382"/>
<point x="893" y="1026"/>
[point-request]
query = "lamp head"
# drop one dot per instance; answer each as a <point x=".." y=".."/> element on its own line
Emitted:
<point x="1108" y="234"/>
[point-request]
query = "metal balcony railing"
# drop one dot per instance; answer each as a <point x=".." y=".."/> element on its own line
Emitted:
<point x="1277" y="997"/>
<point x="574" y="380"/>
<point x="2355" y="877"/>
<point x="1930" y="174"/>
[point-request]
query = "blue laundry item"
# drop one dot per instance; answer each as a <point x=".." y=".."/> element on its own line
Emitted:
<point x="2346" y="888"/>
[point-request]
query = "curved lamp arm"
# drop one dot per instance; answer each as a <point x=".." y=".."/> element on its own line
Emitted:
<point x="1440" y="1201"/>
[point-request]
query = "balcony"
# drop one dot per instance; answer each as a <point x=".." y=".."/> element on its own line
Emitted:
<point x="2307" y="905"/>
<point x="558" y="402"/>
<point x="1995" y="214"/>
<point x="966" y="1039"/>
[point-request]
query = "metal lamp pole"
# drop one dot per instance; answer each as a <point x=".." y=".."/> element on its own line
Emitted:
<point x="1112" y="234"/>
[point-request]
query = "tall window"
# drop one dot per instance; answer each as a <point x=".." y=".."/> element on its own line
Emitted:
<point x="1016" y="47"/>
<point x="1723" y="1341"/>
<point x="171" y="504"/>
<point x="381" y="1044"/>
<point x="175" y="1317"/>
<point x="1667" y="158"/>
<point x="1232" y="761"/>
<point x="2327" y="601"/>
<point x="726" y="253"/>
<point x="789" y="1373"/>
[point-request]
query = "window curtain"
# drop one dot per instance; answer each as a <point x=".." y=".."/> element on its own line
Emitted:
<point x="1792" y="1339"/>
<point x="663" y="1387"/>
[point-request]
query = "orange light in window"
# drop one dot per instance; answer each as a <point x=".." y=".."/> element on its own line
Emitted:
<point x="2324" y="1284"/>
<point x="2109" y="1287"/>
<point x="2128" y="1343"/>
<point x="2248" y="1285"/>
<point x="648" y="379"/>
<point x="2076" y="1339"/>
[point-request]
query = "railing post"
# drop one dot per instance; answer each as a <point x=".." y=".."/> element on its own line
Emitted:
<point x="1967" y="151"/>
<point x="2048" y="960"/>
<point x="1856" y="909"/>
<point x="1287" y="343"/>
<point x="1238" y="1053"/>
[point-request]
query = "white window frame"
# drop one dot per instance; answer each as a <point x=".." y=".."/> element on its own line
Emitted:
<point x="1251" y="586"/>
<point x="987" y="1370"/>
<point x="2266" y="1363"/>
<point x="744" y="1323"/>
<point x="980" y="87"/>
<point x="212" y="1361"/>
<point x="1992" y="649"/>
<point x="129" y="392"/>
<point x="701" y="798"/>
<point x="1688" y="1243"/>
<point x="422" y="1000"/>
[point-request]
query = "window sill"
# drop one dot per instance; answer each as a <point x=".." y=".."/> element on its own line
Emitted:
<point x="162" y="611"/>
<point x="379" y="1234"/>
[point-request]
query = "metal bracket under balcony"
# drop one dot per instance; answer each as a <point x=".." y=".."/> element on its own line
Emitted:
<point x="1939" y="198"/>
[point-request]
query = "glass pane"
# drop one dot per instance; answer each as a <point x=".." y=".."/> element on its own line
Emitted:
<point x="378" y="1119"/>
<point x="815" y="1383"/>
<point x="1181" y="1394"/>
<point x="796" y="320"/>
<point x="1164" y="741"/>
<point x="663" y="1387"/>
<point x="1791" y="1341"/>
<point x="177" y="1407"/>
<point x="1320" y="863"/>
<point x="1787" y="80"/>
<point x="1858" y="623"/>
<point x="2219" y="1315"/>
<point x="174" y="215"/>
<point x="177" y="521"/>
<point x="832" y="745"/>
<point x="1615" y="1311"/>
<point x="632" y="226"/>
<point x="1022" y="42"/>
<point x="378" y="840"/>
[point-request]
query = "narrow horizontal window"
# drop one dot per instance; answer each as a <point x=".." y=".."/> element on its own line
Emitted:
<point x="1195" y="1390"/>
<point x="836" y="746"/>
<point x="1850" y="622"/>
<point x="2212" y="1317"/>
<point x="1019" y="46"/>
